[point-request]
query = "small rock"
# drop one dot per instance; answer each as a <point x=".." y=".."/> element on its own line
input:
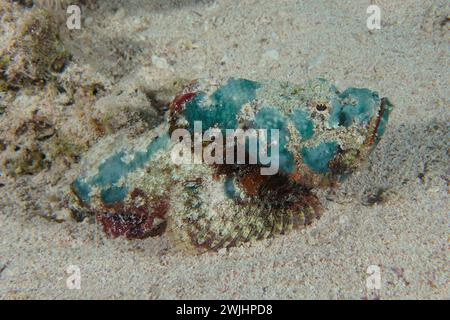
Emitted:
<point x="225" y="59"/>
<point x="160" y="63"/>
<point x="62" y="215"/>
<point x="316" y="60"/>
<point x="271" y="54"/>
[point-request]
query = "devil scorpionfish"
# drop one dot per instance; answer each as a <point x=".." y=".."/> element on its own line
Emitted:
<point x="134" y="188"/>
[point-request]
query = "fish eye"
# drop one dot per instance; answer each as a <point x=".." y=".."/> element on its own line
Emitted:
<point x="321" y="107"/>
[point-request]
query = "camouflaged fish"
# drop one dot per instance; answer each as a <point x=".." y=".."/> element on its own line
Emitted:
<point x="136" y="190"/>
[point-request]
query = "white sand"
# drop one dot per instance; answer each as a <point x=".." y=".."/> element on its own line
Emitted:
<point x="405" y="234"/>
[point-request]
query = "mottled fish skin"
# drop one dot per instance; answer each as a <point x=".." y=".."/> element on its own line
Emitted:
<point x="135" y="190"/>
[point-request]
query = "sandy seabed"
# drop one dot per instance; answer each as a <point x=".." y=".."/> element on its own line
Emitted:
<point x="392" y="214"/>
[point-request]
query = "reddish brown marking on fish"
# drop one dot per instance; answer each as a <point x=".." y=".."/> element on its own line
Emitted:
<point x="180" y="100"/>
<point x="372" y="138"/>
<point x="251" y="183"/>
<point x="136" y="219"/>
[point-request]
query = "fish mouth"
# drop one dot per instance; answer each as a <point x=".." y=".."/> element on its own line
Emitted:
<point x="380" y="116"/>
<point x="380" y="121"/>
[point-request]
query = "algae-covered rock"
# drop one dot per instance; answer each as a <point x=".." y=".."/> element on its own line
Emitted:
<point x="27" y="161"/>
<point x="31" y="50"/>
